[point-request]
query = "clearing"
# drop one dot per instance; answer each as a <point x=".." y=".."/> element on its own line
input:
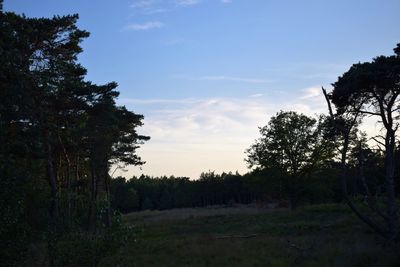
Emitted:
<point x="322" y="235"/>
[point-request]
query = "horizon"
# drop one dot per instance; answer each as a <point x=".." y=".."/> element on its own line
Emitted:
<point x="205" y="86"/>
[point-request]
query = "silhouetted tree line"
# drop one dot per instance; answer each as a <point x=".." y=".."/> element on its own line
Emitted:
<point x="260" y="187"/>
<point x="178" y="192"/>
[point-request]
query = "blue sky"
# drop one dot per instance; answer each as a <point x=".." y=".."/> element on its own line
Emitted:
<point x="206" y="73"/>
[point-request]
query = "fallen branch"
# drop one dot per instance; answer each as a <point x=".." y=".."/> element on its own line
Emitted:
<point x="236" y="236"/>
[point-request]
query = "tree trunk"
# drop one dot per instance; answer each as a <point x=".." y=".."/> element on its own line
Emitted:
<point x="75" y="182"/>
<point x="68" y="178"/>
<point x="343" y="180"/>
<point x="345" y="131"/>
<point x="93" y="198"/>
<point x="54" y="204"/>
<point x="51" y="177"/>
<point x="108" y="208"/>
<point x="292" y="187"/>
<point x="390" y="188"/>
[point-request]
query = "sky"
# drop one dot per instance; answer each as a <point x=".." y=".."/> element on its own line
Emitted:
<point x="207" y="73"/>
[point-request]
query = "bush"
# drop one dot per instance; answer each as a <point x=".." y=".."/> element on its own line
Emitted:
<point x="85" y="249"/>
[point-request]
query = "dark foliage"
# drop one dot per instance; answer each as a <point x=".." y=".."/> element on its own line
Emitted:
<point x="373" y="89"/>
<point x="262" y="188"/>
<point x="59" y="135"/>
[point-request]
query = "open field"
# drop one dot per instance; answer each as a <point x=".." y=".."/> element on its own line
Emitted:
<point x="324" y="235"/>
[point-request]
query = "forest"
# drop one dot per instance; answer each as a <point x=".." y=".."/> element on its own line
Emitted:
<point x="61" y="137"/>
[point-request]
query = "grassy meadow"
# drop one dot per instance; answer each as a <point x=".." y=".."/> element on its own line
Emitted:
<point x="322" y="235"/>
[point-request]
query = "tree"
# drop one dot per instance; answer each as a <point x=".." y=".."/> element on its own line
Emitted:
<point x="112" y="139"/>
<point x="295" y="145"/>
<point x="54" y="126"/>
<point x="373" y="89"/>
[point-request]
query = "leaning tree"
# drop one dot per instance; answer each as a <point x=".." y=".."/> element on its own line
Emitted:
<point x="372" y="89"/>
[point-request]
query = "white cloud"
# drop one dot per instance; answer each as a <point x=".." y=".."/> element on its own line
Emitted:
<point x="187" y="2"/>
<point x="256" y="95"/>
<point x="142" y="3"/>
<point x="189" y="136"/>
<point x="198" y="135"/>
<point x="150" y="7"/>
<point x="144" y="26"/>
<point x="311" y="92"/>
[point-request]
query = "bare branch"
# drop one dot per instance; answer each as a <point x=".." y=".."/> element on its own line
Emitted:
<point x="119" y="167"/>
<point x="376" y="140"/>
<point x="369" y="112"/>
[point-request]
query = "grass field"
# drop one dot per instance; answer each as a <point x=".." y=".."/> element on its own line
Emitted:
<point x="325" y="235"/>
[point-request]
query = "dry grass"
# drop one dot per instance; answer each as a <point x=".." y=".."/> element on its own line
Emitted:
<point x="325" y="235"/>
<point x="149" y="216"/>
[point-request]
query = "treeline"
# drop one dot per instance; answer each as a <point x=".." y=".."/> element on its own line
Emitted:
<point x="59" y="136"/>
<point x="261" y="187"/>
<point x="179" y="192"/>
<point x="297" y="161"/>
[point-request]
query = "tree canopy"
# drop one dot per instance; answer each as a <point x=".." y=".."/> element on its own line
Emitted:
<point x="294" y="144"/>
<point x="373" y="89"/>
<point x="60" y="133"/>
